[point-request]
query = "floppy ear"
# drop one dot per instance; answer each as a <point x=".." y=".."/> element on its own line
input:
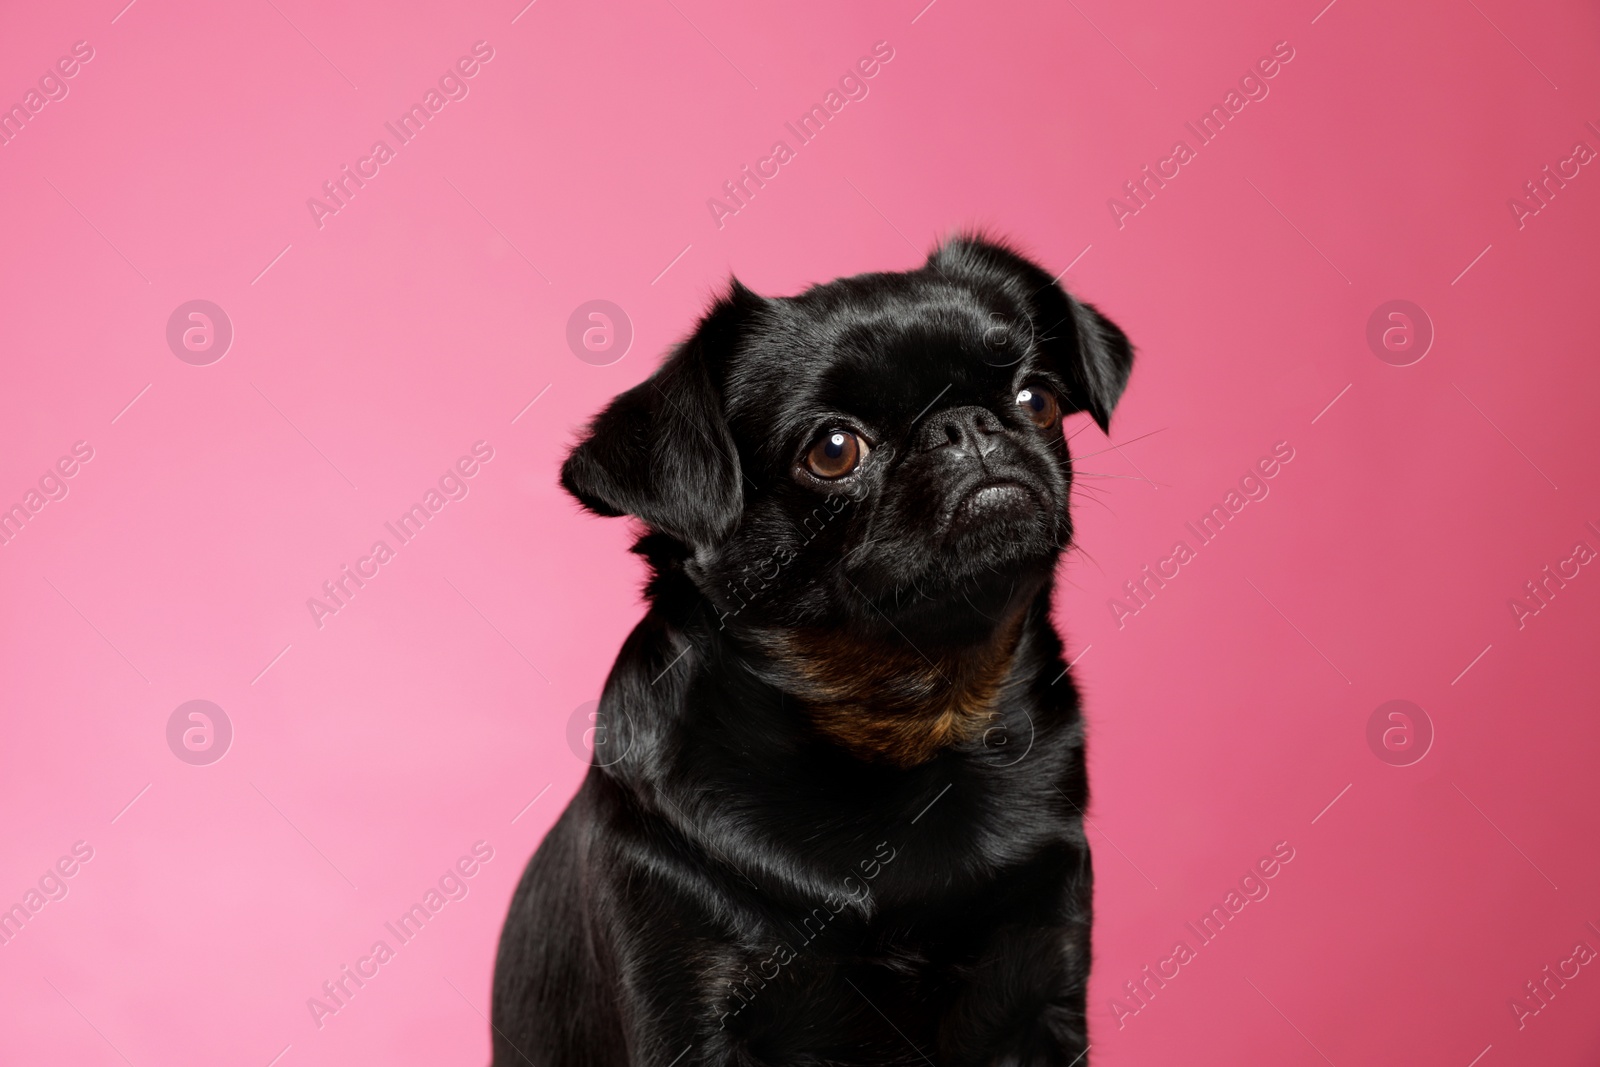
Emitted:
<point x="662" y="451"/>
<point x="1085" y="347"/>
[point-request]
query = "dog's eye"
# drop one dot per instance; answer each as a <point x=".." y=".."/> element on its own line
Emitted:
<point x="835" y="454"/>
<point x="1039" y="404"/>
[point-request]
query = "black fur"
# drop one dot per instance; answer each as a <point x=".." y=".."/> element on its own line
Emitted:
<point x="738" y="883"/>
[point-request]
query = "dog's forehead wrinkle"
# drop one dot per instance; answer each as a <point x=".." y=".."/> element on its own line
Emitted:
<point x="871" y="310"/>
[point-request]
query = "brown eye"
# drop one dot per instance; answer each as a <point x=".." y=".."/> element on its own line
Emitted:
<point x="836" y="453"/>
<point x="1039" y="404"/>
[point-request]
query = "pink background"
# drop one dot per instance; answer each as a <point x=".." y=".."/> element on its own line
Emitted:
<point x="369" y="754"/>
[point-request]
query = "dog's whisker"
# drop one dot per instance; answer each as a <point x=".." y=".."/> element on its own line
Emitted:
<point x="865" y="638"/>
<point x="1084" y="552"/>
<point x="1119" y="444"/>
<point x="1120" y="477"/>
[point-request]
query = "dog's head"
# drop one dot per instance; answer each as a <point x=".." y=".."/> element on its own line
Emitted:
<point x="885" y="450"/>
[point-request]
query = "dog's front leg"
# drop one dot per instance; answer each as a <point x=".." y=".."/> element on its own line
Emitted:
<point x="673" y="971"/>
<point x="679" y="1022"/>
<point x="1025" y="1003"/>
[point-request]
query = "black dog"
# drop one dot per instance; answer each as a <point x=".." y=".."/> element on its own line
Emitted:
<point x="835" y="814"/>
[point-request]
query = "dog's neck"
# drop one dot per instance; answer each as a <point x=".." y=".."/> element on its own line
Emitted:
<point x="886" y="700"/>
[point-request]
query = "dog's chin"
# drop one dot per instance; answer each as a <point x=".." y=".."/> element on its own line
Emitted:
<point x="996" y="544"/>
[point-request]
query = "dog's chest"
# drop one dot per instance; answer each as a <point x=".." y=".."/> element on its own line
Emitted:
<point x="841" y="988"/>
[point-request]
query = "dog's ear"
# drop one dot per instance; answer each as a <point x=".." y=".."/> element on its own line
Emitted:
<point x="1089" y="350"/>
<point x="662" y="451"/>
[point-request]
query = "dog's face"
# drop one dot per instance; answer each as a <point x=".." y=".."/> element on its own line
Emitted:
<point x="882" y="452"/>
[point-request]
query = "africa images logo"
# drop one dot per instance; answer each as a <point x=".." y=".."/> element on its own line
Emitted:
<point x="454" y="484"/>
<point x="852" y="86"/>
<point x="1253" y="887"/>
<point x="53" y="88"/>
<point x="453" y="85"/>
<point x="1252" y="87"/>
<point x="450" y="887"/>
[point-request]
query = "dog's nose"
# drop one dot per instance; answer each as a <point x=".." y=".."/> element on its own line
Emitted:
<point x="971" y="430"/>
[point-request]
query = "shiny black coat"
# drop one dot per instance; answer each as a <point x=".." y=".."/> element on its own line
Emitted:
<point x="735" y="884"/>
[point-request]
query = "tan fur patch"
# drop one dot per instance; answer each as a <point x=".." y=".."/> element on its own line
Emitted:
<point x="889" y="701"/>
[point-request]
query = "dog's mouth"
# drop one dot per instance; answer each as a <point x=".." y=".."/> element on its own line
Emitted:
<point x="985" y="552"/>
<point x="997" y="497"/>
<point x="957" y="542"/>
<point x="995" y="501"/>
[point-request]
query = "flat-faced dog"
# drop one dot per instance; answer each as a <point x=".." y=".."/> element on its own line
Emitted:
<point x="835" y="814"/>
